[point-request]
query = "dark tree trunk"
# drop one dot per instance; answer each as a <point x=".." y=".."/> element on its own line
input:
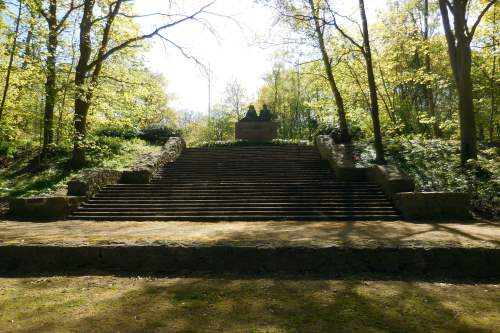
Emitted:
<point x="379" y="147"/>
<point x="344" y="129"/>
<point x="458" y="40"/>
<point x="50" y="83"/>
<point x="11" y="60"/>
<point x="83" y="93"/>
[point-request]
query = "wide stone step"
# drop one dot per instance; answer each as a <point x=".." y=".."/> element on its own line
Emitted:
<point x="173" y="182"/>
<point x="247" y="201"/>
<point x="245" y="168"/>
<point x="283" y="178"/>
<point x="252" y="188"/>
<point x="359" y="197"/>
<point x="154" y="187"/>
<point x="220" y="203"/>
<point x="203" y="210"/>
<point x="245" y="211"/>
<point x="264" y="217"/>
<point x="243" y="194"/>
<point x="241" y="160"/>
<point x="330" y="182"/>
<point x="245" y="175"/>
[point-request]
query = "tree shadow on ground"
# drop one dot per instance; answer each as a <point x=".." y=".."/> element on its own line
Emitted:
<point x="264" y="305"/>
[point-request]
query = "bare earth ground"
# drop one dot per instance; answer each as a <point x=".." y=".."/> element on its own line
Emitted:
<point x="479" y="234"/>
<point x="112" y="304"/>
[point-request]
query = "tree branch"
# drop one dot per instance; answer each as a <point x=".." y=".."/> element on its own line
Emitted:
<point x="474" y="26"/>
<point x="156" y="32"/>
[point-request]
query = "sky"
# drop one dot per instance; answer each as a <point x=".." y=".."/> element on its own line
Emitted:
<point x="231" y="45"/>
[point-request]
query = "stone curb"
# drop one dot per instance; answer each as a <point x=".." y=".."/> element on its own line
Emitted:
<point x="428" y="262"/>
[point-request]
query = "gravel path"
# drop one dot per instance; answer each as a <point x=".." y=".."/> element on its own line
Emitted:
<point x="474" y="234"/>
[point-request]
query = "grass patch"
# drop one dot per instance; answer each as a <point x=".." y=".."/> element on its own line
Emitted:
<point x="26" y="177"/>
<point x="111" y="304"/>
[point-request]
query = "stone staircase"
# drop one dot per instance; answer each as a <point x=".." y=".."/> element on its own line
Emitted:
<point x="242" y="183"/>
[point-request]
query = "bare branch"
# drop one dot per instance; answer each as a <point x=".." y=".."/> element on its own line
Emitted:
<point x="156" y="32"/>
<point x="474" y="26"/>
<point x="67" y="14"/>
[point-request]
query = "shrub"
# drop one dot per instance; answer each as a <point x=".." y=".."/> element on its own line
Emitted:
<point x="158" y="134"/>
<point x="117" y="132"/>
<point x="435" y="166"/>
<point x="103" y="147"/>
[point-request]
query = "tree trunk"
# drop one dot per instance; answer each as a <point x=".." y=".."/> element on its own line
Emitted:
<point x="50" y="83"/>
<point x="11" y="60"/>
<point x="429" y="94"/>
<point x="493" y="86"/>
<point x="83" y="93"/>
<point x="461" y="60"/>
<point x="379" y="147"/>
<point x="344" y="129"/>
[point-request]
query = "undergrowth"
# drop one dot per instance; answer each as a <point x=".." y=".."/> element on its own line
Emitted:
<point x="26" y="175"/>
<point x="435" y="166"/>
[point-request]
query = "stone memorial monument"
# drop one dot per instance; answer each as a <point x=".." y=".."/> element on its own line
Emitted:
<point x="256" y="128"/>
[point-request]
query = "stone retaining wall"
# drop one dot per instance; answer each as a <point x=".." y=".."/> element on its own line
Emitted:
<point x="55" y="207"/>
<point x="90" y="181"/>
<point x="469" y="263"/>
<point x="433" y="205"/>
<point x="396" y="184"/>
<point x="148" y="164"/>
<point x="340" y="158"/>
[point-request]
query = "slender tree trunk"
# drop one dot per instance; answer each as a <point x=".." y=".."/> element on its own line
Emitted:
<point x="429" y="93"/>
<point x="11" y="60"/>
<point x="83" y="93"/>
<point x="379" y="147"/>
<point x="493" y="86"/>
<point x="50" y="83"/>
<point x="27" y="42"/>
<point x="344" y="129"/>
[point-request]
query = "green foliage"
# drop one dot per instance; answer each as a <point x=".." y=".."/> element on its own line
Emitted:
<point x="117" y="132"/>
<point x="27" y="176"/>
<point x="435" y="166"/>
<point x="158" y="134"/>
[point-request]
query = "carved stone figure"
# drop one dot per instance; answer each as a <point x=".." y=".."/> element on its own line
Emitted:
<point x="265" y="114"/>
<point x="251" y="114"/>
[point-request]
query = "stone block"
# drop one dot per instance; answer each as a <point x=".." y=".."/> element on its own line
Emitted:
<point x="149" y="163"/>
<point x="391" y="179"/>
<point x="256" y="131"/>
<point x="89" y="181"/>
<point x="432" y="205"/>
<point x="44" y="207"/>
<point x="340" y="157"/>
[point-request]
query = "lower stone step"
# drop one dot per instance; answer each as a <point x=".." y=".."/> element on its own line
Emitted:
<point x="226" y="217"/>
<point x="186" y="259"/>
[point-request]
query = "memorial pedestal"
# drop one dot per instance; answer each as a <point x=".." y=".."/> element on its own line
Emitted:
<point x="256" y="131"/>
